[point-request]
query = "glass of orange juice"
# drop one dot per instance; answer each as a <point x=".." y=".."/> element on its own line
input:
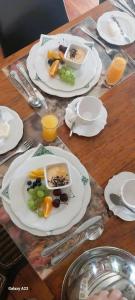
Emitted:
<point x="49" y="124"/>
<point x="116" y="70"/>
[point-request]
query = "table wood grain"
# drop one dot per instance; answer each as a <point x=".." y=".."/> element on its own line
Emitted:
<point x="112" y="151"/>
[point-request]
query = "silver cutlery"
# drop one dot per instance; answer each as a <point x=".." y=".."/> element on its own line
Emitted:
<point x="87" y="224"/>
<point x="124" y="4"/>
<point x="109" y="51"/>
<point x="116" y="199"/>
<point x="73" y="124"/>
<point x="32" y="100"/>
<point x="90" y="235"/>
<point x="115" y="20"/>
<point x="21" y="149"/>
<point x="23" y="72"/>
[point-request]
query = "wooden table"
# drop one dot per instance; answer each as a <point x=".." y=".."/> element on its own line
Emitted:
<point x="112" y="151"/>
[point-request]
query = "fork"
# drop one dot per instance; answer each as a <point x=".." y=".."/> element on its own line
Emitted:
<point x="21" y="149"/>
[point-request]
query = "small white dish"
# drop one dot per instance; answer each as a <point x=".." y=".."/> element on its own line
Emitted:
<point x="89" y="109"/>
<point x="80" y="128"/>
<point x="76" y="55"/>
<point x="126" y="23"/>
<point x="15" y="129"/>
<point x="60" y="170"/>
<point x="128" y="193"/>
<point x="114" y="186"/>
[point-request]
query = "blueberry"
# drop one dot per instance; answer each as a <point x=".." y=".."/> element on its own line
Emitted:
<point x="34" y="184"/>
<point x="38" y="181"/>
<point x="29" y="182"/>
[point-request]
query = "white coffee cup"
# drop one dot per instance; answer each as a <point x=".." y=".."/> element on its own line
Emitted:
<point x="89" y="108"/>
<point x="128" y="193"/>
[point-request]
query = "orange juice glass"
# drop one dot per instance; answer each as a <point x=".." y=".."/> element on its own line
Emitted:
<point x="49" y="127"/>
<point x="116" y="70"/>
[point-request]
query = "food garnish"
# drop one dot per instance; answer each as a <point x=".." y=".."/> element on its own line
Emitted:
<point x="66" y="74"/>
<point x="54" y="68"/>
<point x="47" y="206"/>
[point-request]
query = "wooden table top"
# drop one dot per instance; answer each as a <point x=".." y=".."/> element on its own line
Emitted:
<point x="112" y="151"/>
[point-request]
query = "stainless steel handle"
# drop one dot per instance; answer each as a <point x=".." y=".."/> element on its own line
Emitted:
<point x="93" y="37"/>
<point x="55" y="260"/>
<point x="126" y="7"/>
<point x="15" y="76"/>
<point x="49" y="250"/>
<point x="7" y="158"/>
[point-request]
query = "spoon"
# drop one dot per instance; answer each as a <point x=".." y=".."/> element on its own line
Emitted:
<point x="90" y="235"/>
<point x="73" y="124"/>
<point x="116" y="199"/>
<point x="34" y="102"/>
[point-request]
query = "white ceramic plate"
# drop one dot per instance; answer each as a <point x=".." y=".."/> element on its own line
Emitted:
<point x="127" y="24"/>
<point x="83" y="75"/>
<point x="44" y="87"/>
<point x="114" y="186"/>
<point x="59" y="217"/>
<point x="74" y="161"/>
<point x="16" y="129"/>
<point x="82" y="129"/>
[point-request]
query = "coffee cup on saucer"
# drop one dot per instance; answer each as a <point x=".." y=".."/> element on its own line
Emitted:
<point x="128" y="193"/>
<point x="89" y="109"/>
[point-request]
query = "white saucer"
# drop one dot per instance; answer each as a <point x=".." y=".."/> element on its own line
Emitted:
<point x="126" y="22"/>
<point x="16" y="129"/>
<point x="114" y="186"/>
<point x="80" y="128"/>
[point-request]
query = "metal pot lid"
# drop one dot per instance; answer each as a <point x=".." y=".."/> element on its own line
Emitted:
<point x="102" y="268"/>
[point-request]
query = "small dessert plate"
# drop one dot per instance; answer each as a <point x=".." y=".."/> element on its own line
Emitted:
<point x="81" y="128"/>
<point x="114" y="186"/>
<point x="15" y="129"/>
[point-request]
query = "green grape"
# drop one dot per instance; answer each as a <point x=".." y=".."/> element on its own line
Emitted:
<point x="31" y="204"/>
<point x="40" y="194"/>
<point x="40" y="213"/>
<point x="31" y="191"/>
<point x="66" y="74"/>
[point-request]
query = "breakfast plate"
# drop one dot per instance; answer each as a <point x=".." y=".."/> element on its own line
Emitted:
<point x="124" y="24"/>
<point x="80" y="128"/>
<point x="114" y="186"/>
<point x="15" y="129"/>
<point x="82" y="76"/>
<point x="60" y="216"/>
<point x="75" y="162"/>
<point x="64" y="94"/>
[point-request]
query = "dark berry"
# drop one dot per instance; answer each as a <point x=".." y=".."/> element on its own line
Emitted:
<point x="56" y="203"/>
<point x="29" y="182"/>
<point x="50" y="61"/>
<point x="38" y="181"/>
<point x="62" y="48"/>
<point x="57" y="192"/>
<point x="64" y="197"/>
<point x="34" y="184"/>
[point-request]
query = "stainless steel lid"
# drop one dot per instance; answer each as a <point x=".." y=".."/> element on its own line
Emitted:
<point x="99" y="269"/>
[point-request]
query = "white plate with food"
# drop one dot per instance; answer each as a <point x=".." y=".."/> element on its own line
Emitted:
<point x="11" y="129"/>
<point x="117" y="28"/>
<point x="85" y="178"/>
<point x="64" y="94"/>
<point x="51" y="49"/>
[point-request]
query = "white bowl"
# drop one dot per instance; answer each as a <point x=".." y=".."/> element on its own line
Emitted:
<point x="128" y="193"/>
<point x="60" y="186"/>
<point x="72" y="62"/>
<point x="89" y="108"/>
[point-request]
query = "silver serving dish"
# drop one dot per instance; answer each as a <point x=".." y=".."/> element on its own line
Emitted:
<point x="99" y="269"/>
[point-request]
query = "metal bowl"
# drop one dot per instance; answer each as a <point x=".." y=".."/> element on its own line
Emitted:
<point x="102" y="268"/>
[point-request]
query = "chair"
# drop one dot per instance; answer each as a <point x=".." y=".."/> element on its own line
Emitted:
<point x="22" y="22"/>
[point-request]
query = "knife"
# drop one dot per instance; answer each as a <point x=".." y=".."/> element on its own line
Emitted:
<point x="89" y="223"/>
